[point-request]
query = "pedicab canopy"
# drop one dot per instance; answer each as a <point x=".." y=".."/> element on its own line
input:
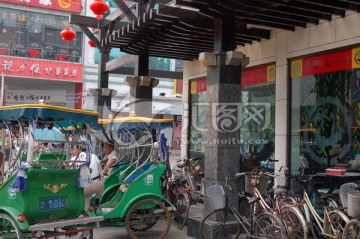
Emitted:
<point x="65" y="117"/>
<point x="133" y="122"/>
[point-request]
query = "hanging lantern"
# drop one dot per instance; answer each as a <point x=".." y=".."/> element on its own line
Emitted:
<point x="99" y="7"/>
<point x="67" y="34"/>
<point x="91" y="43"/>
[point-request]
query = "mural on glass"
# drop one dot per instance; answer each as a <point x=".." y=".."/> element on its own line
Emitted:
<point x="325" y="117"/>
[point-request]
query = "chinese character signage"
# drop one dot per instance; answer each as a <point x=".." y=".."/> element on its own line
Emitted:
<point x="42" y="69"/>
<point x="198" y="86"/>
<point x="52" y="97"/>
<point x="258" y="75"/>
<point x="60" y="5"/>
<point x="330" y="62"/>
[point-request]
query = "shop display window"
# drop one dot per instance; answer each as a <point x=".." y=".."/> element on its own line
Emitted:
<point x="325" y="111"/>
<point x="257" y="133"/>
<point x="198" y="118"/>
<point x="36" y="35"/>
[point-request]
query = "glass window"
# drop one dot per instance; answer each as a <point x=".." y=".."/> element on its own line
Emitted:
<point x="257" y="134"/>
<point x="325" y="116"/>
<point x="35" y="35"/>
<point x="198" y="117"/>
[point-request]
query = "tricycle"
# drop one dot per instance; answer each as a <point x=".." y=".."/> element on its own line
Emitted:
<point x="133" y="197"/>
<point x="41" y="190"/>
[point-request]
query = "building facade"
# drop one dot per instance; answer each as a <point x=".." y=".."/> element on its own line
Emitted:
<point x="36" y="62"/>
<point x="299" y="96"/>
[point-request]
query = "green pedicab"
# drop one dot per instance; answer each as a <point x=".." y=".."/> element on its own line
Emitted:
<point x="40" y="192"/>
<point x="132" y="195"/>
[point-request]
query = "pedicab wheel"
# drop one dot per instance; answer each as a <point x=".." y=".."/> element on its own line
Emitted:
<point x="9" y="228"/>
<point x="148" y="219"/>
<point x="182" y="205"/>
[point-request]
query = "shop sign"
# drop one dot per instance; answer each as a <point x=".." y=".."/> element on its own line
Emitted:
<point x="52" y="97"/>
<point x="330" y="62"/>
<point x="198" y="86"/>
<point x="41" y="69"/>
<point x="59" y="5"/>
<point x="258" y="75"/>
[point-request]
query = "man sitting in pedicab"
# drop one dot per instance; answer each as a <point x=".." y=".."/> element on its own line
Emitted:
<point x="96" y="185"/>
<point x="110" y="158"/>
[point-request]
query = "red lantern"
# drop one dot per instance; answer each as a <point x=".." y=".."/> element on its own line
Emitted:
<point x="99" y="7"/>
<point x="67" y="34"/>
<point x="91" y="43"/>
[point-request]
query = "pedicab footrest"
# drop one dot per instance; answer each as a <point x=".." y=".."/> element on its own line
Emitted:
<point x="64" y="223"/>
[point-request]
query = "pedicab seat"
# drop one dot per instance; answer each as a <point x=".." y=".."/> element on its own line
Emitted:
<point x="139" y="171"/>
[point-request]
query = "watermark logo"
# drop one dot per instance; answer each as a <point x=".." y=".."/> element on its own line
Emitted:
<point x="227" y="117"/>
<point x="259" y="113"/>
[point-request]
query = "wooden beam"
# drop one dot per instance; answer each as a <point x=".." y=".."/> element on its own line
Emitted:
<point x="93" y="22"/>
<point x="91" y="36"/>
<point x="153" y="73"/>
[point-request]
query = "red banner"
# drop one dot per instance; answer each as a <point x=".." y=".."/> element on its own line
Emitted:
<point x="78" y="96"/>
<point x="201" y="86"/>
<point x="60" y="5"/>
<point x="337" y="61"/>
<point x="254" y="76"/>
<point x="50" y="70"/>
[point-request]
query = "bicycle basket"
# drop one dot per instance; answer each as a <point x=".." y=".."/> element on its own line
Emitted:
<point x="354" y="204"/>
<point x="297" y="188"/>
<point x="261" y="182"/>
<point x="216" y="196"/>
<point x="343" y="192"/>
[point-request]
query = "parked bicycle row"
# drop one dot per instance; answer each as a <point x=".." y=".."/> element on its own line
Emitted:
<point x="297" y="211"/>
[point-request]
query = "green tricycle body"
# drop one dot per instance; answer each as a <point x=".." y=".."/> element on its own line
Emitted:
<point x="132" y="196"/>
<point x="40" y="194"/>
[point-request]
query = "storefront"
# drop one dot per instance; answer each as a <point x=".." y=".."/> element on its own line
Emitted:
<point x="34" y="59"/>
<point x="325" y="113"/>
<point x="257" y="135"/>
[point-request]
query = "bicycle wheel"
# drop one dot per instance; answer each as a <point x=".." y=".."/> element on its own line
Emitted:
<point x="244" y="207"/>
<point x="338" y="222"/>
<point x="352" y="230"/>
<point x="225" y="226"/>
<point x="148" y="219"/>
<point x="267" y="225"/>
<point x="294" y="222"/>
<point x="9" y="228"/>
<point x="182" y="205"/>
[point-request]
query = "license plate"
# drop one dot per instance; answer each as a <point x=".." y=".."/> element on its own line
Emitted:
<point x="54" y="203"/>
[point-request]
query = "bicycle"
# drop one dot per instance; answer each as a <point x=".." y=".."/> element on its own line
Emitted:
<point x="181" y="192"/>
<point x="260" y="225"/>
<point x="352" y="228"/>
<point x="256" y="183"/>
<point x="331" y="223"/>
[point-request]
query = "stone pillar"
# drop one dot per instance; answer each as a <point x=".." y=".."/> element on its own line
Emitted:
<point x="141" y="92"/>
<point x="102" y="93"/>
<point x="223" y="113"/>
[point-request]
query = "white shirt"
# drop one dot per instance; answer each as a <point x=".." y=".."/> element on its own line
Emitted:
<point x="95" y="166"/>
<point x="112" y="155"/>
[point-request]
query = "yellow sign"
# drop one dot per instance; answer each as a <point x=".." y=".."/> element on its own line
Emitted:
<point x="355" y="57"/>
<point x="296" y="68"/>
<point x="271" y="73"/>
<point x="192" y="87"/>
<point x="55" y="188"/>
